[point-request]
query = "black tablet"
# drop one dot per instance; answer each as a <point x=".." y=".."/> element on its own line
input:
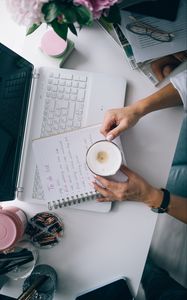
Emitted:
<point x="116" y="290"/>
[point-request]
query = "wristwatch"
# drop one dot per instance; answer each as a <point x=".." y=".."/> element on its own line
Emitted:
<point x="165" y="203"/>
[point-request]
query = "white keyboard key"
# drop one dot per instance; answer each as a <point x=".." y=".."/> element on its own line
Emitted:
<point x="48" y="94"/>
<point x="60" y="95"/>
<point x="66" y="96"/>
<point x="63" y="120"/>
<point x="77" y="124"/>
<point x="74" y="91"/>
<point x="60" y="88"/>
<point x="54" y="88"/>
<point x="51" y="106"/>
<point x="67" y="89"/>
<point x="66" y="76"/>
<point x="82" y="84"/>
<point x="62" y="82"/>
<point x="82" y="78"/>
<point x="64" y="112"/>
<point x="62" y="104"/>
<point x="73" y="97"/>
<point x="76" y="77"/>
<point x="56" y="75"/>
<point x="75" y="84"/>
<point x="57" y="113"/>
<point x="69" y="123"/>
<point x="50" y="80"/>
<point x="79" y="106"/>
<point x="50" y="115"/>
<point x="49" y="122"/>
<point x="55" y="81"/>
<point x="81" y="95"/>
<point x="54" y="94"/>
<point x="49" y="87"/>
<point x="71" y="110"/>
<point x="55" y="127"/>
<point x="62" y="126"/>
<point x="68" y="83"/>
<point x="78" y="118"/>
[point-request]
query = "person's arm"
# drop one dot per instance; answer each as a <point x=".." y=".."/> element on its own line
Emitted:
<point x="163" y="66"/>
<point x="118" y="120"/>
<point x="138" y="189"/>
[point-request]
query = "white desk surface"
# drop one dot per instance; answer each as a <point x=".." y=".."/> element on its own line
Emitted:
<point x="97" y="248"/>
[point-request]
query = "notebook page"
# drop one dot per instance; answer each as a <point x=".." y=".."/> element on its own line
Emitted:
<point x="62" y="165"/>
<point x="61" y="160"/>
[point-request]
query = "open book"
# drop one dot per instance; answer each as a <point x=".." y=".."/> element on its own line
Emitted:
<point x="61" y="160"/>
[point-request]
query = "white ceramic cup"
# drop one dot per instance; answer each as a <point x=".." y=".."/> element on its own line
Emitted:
<point x="104" y="158"/>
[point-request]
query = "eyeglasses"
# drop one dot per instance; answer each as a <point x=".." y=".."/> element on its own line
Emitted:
<point x="141" y="28"/>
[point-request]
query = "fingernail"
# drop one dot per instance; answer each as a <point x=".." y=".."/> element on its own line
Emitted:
<point x="109" y="137"/>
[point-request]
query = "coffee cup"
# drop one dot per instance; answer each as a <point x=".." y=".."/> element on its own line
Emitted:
<point x="104" y="158"/>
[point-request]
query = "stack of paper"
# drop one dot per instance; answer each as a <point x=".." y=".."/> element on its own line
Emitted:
<point x="142" y="50"/>
<point x="144" y="47"/>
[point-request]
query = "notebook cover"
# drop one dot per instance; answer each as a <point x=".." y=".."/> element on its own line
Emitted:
<point x="162" y="9"/>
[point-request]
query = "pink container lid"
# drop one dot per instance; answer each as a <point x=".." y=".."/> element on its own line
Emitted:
<point x="52" y="44"/>
<point x="8" y="232"/>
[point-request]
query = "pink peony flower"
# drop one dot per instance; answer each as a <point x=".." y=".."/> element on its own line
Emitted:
<point x="96" y="6"/>
<point x="26" y="12"/>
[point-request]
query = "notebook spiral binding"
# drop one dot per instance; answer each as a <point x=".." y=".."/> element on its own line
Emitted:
<point x="68" y="201"/>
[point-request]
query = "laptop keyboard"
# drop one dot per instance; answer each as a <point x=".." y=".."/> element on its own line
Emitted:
<point x="65" y="97"/>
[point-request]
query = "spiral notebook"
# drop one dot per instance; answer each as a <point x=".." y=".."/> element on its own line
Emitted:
<point x="61" y="160"/>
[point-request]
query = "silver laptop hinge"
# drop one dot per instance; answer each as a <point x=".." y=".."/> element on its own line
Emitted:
<point x="19" y="191"/>
<point x="35" y="75"/>
<point x="19" y="188"/>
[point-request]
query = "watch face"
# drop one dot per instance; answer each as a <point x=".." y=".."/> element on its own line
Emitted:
<point x="159" y="210"/>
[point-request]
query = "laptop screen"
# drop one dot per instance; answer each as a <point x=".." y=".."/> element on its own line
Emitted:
<point x="15" y="83"/>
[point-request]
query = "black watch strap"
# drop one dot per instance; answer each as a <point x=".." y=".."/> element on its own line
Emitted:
<point x="165" y="203"/>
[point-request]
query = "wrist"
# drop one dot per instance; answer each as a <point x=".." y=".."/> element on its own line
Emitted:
<point x="141" y="107"/>
<point x="154" y="198"/>
<point x="138" y="108"/>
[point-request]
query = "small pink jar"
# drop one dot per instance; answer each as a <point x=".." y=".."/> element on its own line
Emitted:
<point x="13" y="223"/>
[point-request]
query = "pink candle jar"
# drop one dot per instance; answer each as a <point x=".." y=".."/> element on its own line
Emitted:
<point x="13" y="223"/>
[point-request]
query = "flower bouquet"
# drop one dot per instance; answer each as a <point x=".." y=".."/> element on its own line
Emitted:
<point x="63" y="15"/>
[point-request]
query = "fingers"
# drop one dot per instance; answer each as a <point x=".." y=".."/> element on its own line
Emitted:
<point x="159" y="64"/>
<point x="115" y="122"/>
<point x="107" y="195"/>
<point x="126" y="170"/>
<point x="164" y="66"/>
<point x="110" y="190"/>
<point x="107" y="184"/>
<point x="112" y="134"/>
<point x="181" y="56"/>
<point x="108" y="123"/>
<point x="167" y="70"/>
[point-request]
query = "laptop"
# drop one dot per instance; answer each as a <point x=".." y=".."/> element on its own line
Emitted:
<point x="41" y="102"/>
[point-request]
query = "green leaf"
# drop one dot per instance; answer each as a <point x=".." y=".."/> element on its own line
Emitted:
<point x="70" y="15"/>
<point x="60" y="29"/>
<point x="32" y="28"/>
<point x="72" y="28"/>
<point x="113" y="15"/>
<point x="50" y="11"/>
<point x="84" y="16"/>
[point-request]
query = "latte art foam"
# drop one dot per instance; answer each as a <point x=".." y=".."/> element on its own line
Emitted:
<point x="104" y="158"/>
